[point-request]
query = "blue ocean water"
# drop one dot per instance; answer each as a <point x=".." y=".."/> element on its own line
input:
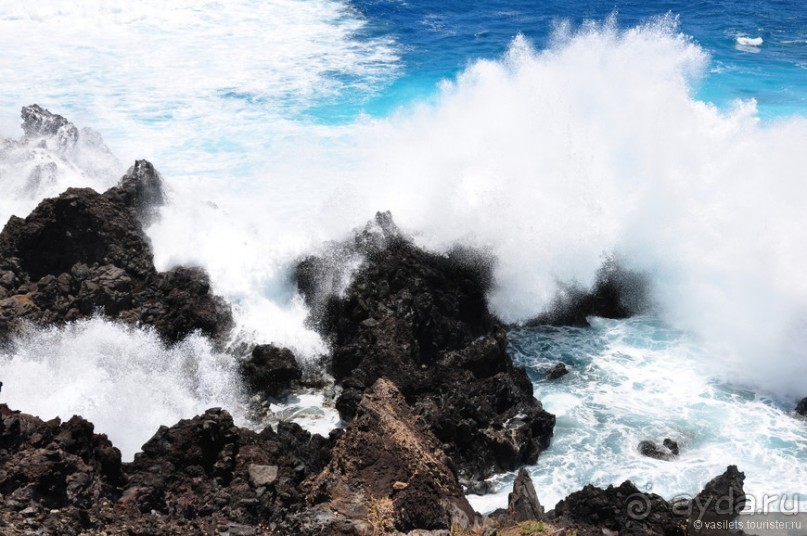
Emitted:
<point x="439" y="39"/>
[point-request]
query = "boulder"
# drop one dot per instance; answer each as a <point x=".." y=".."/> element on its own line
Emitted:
<point x="667" y="451"/>
<point x="386" y="471"/>
<point x="84" y="253"/>
<point x="270" y="370"/>
<point x="420" y="320"/>
<point x="557" y="371"/>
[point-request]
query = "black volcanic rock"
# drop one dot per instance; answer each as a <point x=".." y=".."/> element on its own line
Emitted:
<point x="190" y="478"/>
<point x="56" y="464"/>
<point x="270" y="370"/>
<point x="83" y="252"/>
<point x="723" y="497"/>
<point x="141" y="189"/>
<point x="523" y="503"/>
<point x="801" y="407"/>
<point x="557" y="371"/>
<point x="421" y="320"/>
<point x="616" y="293"/>
<point x="623" y="509"/>
<point x="667" y="451"/>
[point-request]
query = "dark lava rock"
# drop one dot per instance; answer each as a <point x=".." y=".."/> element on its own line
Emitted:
<point x="190" y="478"/>
<point x="207" y="465"/>
<point x="623" y="509"/>
<point x="557" y="371"/>
<point x="141" y="189"/>
<point x="386" y="471"/>
<point x="56" y="464"/>
<point x="421" y="320"/>
<point x="617" y="293"/>
<point x="523" y="503"/>
<point x="270" y="370"/>
<point x="722" y="498"/>
<point x="801" y="407"/>
<point x="83" y="252"/>
<point x="667" y="451"/>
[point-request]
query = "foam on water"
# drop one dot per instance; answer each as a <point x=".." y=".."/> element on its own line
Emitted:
<point x="122" y="379"/>
<point x="638" y="379"/>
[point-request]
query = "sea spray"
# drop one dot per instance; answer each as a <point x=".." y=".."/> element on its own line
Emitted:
<point x="122" y="379"/>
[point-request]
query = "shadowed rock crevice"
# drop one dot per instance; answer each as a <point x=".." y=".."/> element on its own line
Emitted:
<point x="421" y="320"/>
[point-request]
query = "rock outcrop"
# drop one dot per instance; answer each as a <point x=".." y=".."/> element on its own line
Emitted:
<point x="523" y="503"/>
<point x="420" y="319"/>
<point x="801" y="407"/>
<point x="668" y="450"/>
<point x="616" y="293"/>
<point x="387" y="471"/>
<point x="722" y="498"/>
<point x="622" y="509"/>
<point x="270" y="370"/>
<point x="84" y="253"/>
<point x="196" y="477"/>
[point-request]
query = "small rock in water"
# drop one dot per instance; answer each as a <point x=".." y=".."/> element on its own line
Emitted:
<point x="557" y="371"/>
<point x="667" y="451"/>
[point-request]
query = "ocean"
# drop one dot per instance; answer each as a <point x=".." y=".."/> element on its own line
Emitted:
<point x="553" y="135"/>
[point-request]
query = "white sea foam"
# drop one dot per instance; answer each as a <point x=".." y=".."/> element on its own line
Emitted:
<point x="122" y="379"/>
<point x="749" y="41"/>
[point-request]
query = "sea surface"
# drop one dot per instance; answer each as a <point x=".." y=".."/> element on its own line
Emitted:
<point x="554" y="135"/>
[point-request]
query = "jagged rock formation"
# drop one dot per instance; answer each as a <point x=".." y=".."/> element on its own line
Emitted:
<point x="52" y="149"/>
<point x="85" y="253"/>
<point x="623" y="510"/>
<point x="616" y="293"/>
<point x="270" y="370"/>
<point x="421" y="320"/>
<point x="388" y="457"/>
<point x="202" y="473"/>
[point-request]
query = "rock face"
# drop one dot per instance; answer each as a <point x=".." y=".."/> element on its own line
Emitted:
<point x="723" y="497"/>
<point x="617" y="293"/>
<point x="387" y="471"/>
<point x="523" y="502"/>
<point x="83" y="252"/>
<point x="421" y="320"/>
<point x="270" y="370"/>
<point x="667" y="451"/>
<point x="801" y="407"/>
<point x="623" y="509"/>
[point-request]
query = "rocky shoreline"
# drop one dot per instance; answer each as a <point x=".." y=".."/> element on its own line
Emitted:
<point x="432" y="402"/>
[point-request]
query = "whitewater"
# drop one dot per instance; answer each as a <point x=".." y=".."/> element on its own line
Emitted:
<point x="550" y="158"/>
